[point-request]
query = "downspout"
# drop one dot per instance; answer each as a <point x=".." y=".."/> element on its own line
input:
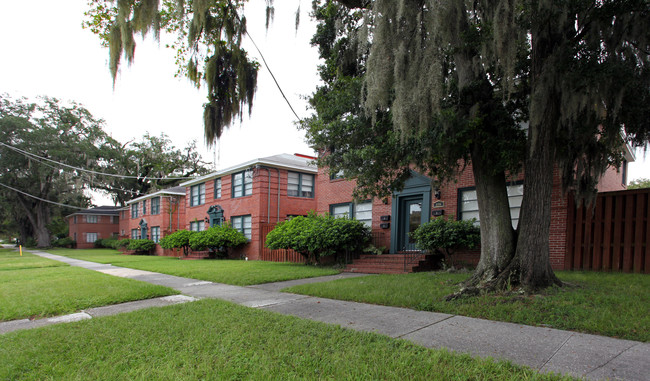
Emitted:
<point x="268" y="195"/>
<point x="279" y="183"/>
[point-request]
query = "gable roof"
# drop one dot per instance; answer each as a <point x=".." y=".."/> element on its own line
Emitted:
<point x="175" y="191"/>
<point x="296" y="162"/>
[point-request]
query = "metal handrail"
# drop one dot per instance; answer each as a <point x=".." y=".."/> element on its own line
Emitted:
<point x="411" y="257"/>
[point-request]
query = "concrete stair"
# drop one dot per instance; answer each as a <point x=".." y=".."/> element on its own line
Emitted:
<point x="388" y="264"/>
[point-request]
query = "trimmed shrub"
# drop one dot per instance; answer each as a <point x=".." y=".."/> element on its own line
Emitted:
<point x="178" y="240"/>
<point x="217" y="239"/>
<point x="64" y="242"/>
<point x="444" y="236"/>
<point x="106" y="243"/>
<point x="141" y="245"/>
<point x="316" y="236"/>
<point x="122" y="243"/>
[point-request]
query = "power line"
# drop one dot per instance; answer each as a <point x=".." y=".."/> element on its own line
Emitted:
<point x="31" y="155"/>
<point x="41" y="199"/>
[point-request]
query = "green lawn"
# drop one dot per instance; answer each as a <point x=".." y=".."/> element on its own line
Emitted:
<point x="36" y="287"/>
<point x="12" y="260"/>
<point x="235" y="272"/>
<point x="212" y="339"/>
<point x="609" y="304"/>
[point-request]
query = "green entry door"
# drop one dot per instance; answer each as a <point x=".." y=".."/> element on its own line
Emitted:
<point x="410" y="219"/>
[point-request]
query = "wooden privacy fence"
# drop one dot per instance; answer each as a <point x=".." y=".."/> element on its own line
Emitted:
<point x="613" y="235"/>
<point x="281" y="255"/>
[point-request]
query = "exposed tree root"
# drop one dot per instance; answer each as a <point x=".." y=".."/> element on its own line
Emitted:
<point x="509" y="280"/>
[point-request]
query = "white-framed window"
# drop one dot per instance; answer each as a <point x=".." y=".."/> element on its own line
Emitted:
<point x="242" y="184"/>
<point x="217" y="188"/>
<point x="244" y="224"/>
<point x="197" y="226"/>
<point x="134" y="210"/>
<point x="74" y="219"/>
<point x="144" y="207"/>
<point x="91" y="220"/>
<point x="300" y="184"/>
<point x="155" y="233"/>
<point x="361" y="211"/>
<point x="91" y="237"/>
<point x="155" y="205"/>
<point x="197" y="194"/>
<point x="468" y="203"/>
<point x="135" y="233"/>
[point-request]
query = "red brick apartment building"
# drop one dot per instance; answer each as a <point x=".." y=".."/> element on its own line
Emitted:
<point x="87" y="226"/>
<point x="252" y="197"/>
<point x="154" y="216"/>
<point x="419" y="201"/>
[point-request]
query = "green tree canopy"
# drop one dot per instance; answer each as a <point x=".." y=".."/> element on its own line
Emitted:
<point x="54" y="130"/>
<point x="150" y="164"/>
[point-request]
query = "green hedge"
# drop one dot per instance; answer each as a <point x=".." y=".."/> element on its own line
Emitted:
<point x="178" y="240"/>
<point x="141" y="245"/>
<point x="316" y="236"/>
<point x="445" y="236"/>
<point x="217" y="239"/>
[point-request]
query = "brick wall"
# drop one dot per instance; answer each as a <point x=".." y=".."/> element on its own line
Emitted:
<point x="262" y="208"/>
<point x="340" y="191"/>
<point x="106" y="227"/>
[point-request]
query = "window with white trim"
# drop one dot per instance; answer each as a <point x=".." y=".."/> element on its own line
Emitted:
<point x="91" y="237"/>
<point x="144" y="207"/>
<point x="91" y="220"/>
<point x="361" y="211"/>
<point x="197" y="226"/>
<point x="74" y="219"/>
<point x="244" y="224"/>
<point x="135" y="233"/>
<point x="155" y="205"/>
<point x="300" y="184"/>
<point x="134" y="210"/>
<point x="217" y="188"/>
<point x="468" y="203"/>
<point x="242" y="184"/>
<point x="155" y="233"/>
<point x="197" y="194"/>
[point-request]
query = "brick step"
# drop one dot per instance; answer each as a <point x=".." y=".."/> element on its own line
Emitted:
<point x="380" y="260"/>
<point x="367" y="270"/>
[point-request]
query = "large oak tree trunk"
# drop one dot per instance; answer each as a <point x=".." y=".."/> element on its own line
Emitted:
<point x="533" y="248"/>
<point x="497" y="234"/>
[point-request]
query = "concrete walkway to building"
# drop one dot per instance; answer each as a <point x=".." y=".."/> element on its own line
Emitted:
<point x="544" y="349"/>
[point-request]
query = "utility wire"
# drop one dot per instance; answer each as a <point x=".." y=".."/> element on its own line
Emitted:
<point x="41" y="199"/>
<point x="137" y="193"/>
<point x="28" y="154"/>
<point x="267" y="66"/>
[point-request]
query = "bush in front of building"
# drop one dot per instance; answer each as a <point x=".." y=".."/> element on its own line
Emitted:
<point x="178" y="240"/>
<point x="141" y="246"/>
<point x="122" y="244"/>
<point x="445" y="235"/>
<point x="64" y="242"/>
<point x="109" y="243"/>
<point x="218" y="240"/>
<point x="317" y="236"/>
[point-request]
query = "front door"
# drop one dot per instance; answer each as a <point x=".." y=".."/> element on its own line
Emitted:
<point x="410" y="219"/>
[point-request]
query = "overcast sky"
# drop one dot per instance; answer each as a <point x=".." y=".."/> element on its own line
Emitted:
<point x="46" y="52"/>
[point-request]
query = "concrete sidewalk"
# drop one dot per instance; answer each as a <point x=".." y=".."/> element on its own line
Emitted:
<point x="544" y="349"/>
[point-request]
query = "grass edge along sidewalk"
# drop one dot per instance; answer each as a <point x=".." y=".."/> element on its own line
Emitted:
<point x="233" y="272"/>
<point x="212" y="339"/>
<point x="44" y="288"/>
<point x="607" y="304"/>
